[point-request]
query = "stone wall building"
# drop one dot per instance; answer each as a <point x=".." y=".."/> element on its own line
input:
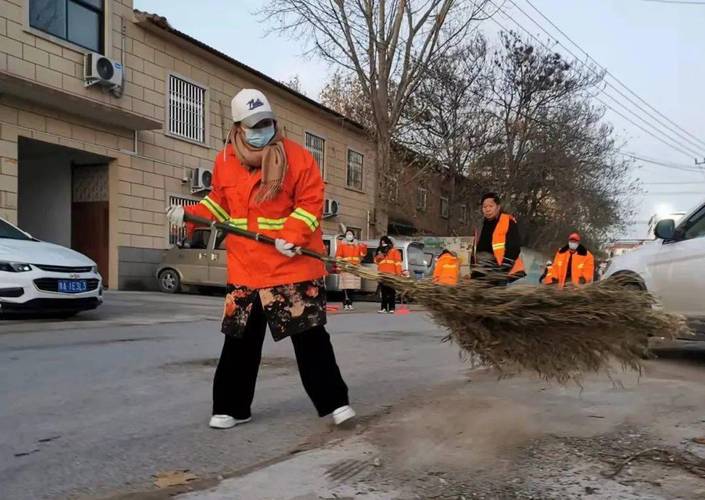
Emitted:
<point x="93" y="167"/>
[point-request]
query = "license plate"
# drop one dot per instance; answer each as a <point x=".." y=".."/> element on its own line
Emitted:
<point x="73" y="286"/>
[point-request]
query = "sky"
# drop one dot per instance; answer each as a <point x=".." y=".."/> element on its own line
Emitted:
<point x="656" y="48"/>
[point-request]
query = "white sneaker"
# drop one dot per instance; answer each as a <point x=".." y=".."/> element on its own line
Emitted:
<point x="351" y="308"/>
<point x="382" y="311"/>
<point x="226" y="421"/>
<point x="343" y="414"/>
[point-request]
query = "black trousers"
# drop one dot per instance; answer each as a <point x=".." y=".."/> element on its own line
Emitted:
<point x="347" y="300"/>
<point x="236" y="374"/>
<point x="389" y="298"/>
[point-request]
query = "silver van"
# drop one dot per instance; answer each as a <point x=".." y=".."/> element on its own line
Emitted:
<point x="200" y="261"/>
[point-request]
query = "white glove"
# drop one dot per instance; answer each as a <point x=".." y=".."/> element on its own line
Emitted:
<point x="285" y="248"/>
<point x="175" y="215"/>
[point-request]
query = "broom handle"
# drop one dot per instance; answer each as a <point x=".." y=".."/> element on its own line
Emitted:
<point x="251" y="235"/>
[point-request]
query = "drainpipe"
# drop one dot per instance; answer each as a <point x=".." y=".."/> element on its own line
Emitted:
<point x="368" y="224"/>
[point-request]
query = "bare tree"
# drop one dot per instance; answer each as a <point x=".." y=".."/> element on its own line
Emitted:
<point x="388" y="44"/>
<point x="294" y="83"/>
<point x="553" y="156"/>
<point x="447" y="119"/>
<point x="343" y="93"/>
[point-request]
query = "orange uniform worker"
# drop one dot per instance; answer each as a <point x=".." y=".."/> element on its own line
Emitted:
<point x="447" y="269"/>
<point x="572" y="264"/>
<point x="498" y="243"/>
<point x="352" y="252"/>
<point x="266" y="183"/>
<point x="388" y="260"/>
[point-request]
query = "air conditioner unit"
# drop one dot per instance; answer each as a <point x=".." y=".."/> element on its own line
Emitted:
<point x="202" y="179"/>
<point x="99" y="70"/>
<point x="331" y="208"/>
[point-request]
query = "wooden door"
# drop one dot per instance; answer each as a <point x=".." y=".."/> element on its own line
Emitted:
<point x="89" y="232"/>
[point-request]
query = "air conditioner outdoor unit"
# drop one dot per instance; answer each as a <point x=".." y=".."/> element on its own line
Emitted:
<point x="99" y="70"/>
<point x="331" y="208"/>
<point x="202" y="179"/>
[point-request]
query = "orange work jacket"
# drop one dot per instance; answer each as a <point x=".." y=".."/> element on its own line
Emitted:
<point x="582" y="265"/>
<point x="499" y="243"/>
<point x="390" y="262"/>
<point x="352" y="253"/>
<point x="294" y="214"/>
<point x="447" y="270"/>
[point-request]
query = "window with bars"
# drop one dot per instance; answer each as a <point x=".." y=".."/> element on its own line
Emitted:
<point x="421" y="199"/>
<point x="76" y="21"/>
<point x="317" y="147"/>
<point x="177" y="235"/>
<point x="187" y="109"/>
<point x="463" y="213"/>
<point x="445" y="210"/>
<point x="355" y="161"/>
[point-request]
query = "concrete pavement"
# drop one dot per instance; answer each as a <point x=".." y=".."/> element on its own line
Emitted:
<point x="97" y="405"/>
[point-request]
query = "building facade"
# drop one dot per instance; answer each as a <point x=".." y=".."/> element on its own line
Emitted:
<point x="93" y="167"/>
<point x="424" y="203"/>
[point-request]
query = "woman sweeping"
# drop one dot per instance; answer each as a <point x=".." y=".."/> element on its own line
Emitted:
<point x="388" y="260"/>
<point x="352" y="252"/>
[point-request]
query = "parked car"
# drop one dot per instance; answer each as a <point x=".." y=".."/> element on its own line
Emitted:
<point x="200" y="261"/>
<point x="671" y="266"/>
<point x="42" y="277"/>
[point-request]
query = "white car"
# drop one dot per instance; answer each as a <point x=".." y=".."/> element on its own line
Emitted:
<point x="43" y="277"/>
<point x="673" y="266"/>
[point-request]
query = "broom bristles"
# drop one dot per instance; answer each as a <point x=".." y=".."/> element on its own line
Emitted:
<point x="558" y="333"/>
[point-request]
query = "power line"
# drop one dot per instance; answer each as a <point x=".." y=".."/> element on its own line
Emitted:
<point x="661" y="163"/>
<point x="676" y="148"/>
<point x="702" y="143"/>
<point x="671" y="183"/>
<point x="683" y="149"/>
<point x="679" y="193"/>
<point x="697" y="152"/>
<point x="676" y="2"/>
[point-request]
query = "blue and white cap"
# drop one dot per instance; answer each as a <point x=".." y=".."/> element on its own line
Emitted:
<point x="250" y="106"/>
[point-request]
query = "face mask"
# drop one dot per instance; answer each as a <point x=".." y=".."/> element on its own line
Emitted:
<point x="349" y="237"/>
<point x="573" y="245"/>
<point x="259" y="137"/>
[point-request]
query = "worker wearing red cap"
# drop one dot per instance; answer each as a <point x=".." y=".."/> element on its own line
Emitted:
<point x="573" y="264"/>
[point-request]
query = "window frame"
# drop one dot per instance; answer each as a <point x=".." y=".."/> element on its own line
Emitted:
<point x="463" y="213"/>
<point x="697" y="217"/>
<point x="447" y="206"/>
<point x="361" y="189"/>
<point x="423" y="190"/>
<point x="321" y="168"/>
<point x="105" y="29"/>
<point x="206" y="110"/>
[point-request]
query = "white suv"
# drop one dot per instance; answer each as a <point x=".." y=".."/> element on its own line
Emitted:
<point x="673" y="266"/>
<point x="43" y="277"/>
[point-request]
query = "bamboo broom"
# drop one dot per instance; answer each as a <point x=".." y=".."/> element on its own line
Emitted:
<point x="558" y="333"/>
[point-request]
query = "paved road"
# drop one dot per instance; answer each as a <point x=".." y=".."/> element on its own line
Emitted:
<point x="97" y="405"/>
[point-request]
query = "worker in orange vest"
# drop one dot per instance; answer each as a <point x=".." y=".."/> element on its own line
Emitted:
<point x="352" y="252"/>
<point x="573" y="264"/>
<point x="388" y="260"/>
<point x="447" y="269"/>
<point x="268" y="184"/>
<point x="498" y="245"/>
